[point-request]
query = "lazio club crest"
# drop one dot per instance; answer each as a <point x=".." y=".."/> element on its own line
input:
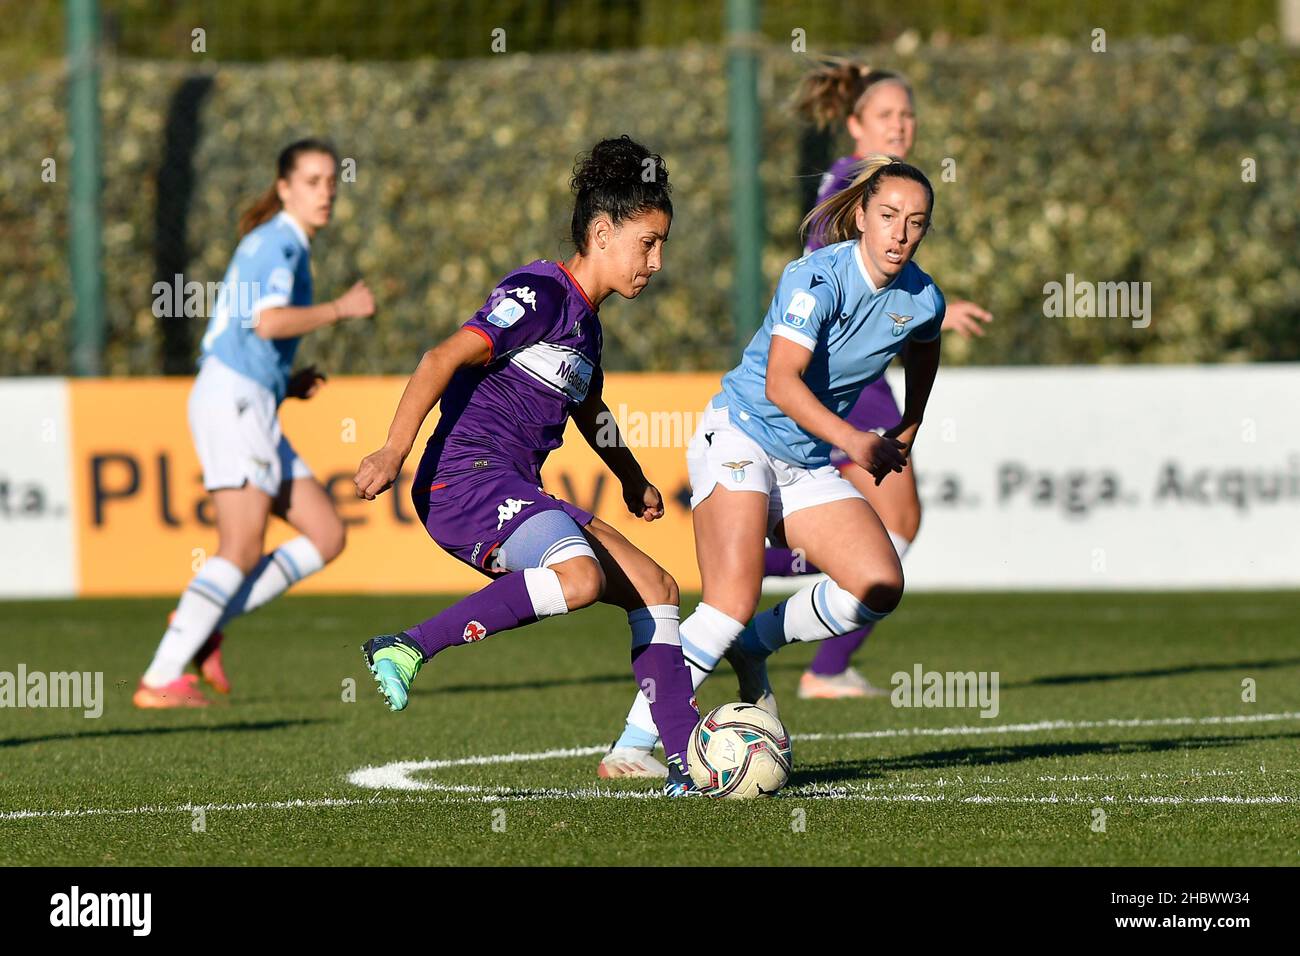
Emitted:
<point x="900" y="322"/>
<point x="737" y="469"/>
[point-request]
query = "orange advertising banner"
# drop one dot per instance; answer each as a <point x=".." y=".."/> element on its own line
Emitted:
<point x="144" y="520"/>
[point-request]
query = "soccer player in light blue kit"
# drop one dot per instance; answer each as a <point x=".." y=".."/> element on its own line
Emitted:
<point x="760" y="462"/>
<point x="262" y="311"/>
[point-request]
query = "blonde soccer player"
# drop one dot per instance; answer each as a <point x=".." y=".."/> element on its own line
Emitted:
<point x="760" y="462"/>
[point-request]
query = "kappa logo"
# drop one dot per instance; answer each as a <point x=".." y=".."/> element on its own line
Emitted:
<point x="508" y="510"/>
<point x="737" y="469"/>
<point x="474" y="631"/>
<point x="526" y="296"/>
<point x="900" y="322"/>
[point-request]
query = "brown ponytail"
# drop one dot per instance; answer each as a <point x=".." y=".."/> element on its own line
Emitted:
<point x="268" y="204"/>
<point x="835" y="90"/>
<point x="832" y="219"/>
<point x="263" y="208"/>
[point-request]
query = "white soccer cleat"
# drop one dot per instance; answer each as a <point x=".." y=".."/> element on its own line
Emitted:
<point x="630" y="762"/>
<point x="751" y="671"/>
<point x="837" y="686"/>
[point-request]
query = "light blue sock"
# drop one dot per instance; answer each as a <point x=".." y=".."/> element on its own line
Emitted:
<point x="636" y="737"/>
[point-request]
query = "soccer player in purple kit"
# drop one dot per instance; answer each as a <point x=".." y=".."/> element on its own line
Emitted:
<point x="509" y="380"/>
<point x="877" y="108"/>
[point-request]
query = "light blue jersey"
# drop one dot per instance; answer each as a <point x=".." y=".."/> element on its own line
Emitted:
<point x="826" y="303"/>
<point x="271" y="269"/>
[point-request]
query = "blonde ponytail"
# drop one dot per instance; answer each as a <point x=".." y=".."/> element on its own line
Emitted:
<point x="832" y="219"/>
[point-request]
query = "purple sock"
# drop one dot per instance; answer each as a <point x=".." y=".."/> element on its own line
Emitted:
<point x="672" y="705"/>
<point x="781" y="563"/>
<point x="500" y="606"/>
<point x="833" y="653"/>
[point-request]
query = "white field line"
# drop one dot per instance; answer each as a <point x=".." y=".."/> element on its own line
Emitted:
<point x="395" y="776"/>
<point x="480" y="795"/>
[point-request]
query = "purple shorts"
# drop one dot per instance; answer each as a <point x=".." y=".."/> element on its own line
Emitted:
<point x="470" y="513"/>
<point x="875" y="408"/>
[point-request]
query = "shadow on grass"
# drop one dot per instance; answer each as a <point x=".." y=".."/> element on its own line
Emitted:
<point x="977" y="757"/>
<point x="154" y="731"/>
<point x="540" y="684"/>
<point x="1209" y="667"/>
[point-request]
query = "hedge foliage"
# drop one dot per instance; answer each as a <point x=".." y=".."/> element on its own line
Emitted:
<point x="1118" y="166"/>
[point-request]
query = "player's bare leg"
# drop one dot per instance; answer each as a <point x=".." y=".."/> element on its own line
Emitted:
<point x="241" y="524"/>
<point x="865" y="578"/>
<point x="895" y="501"/>
<point x="729" y="531"/>
<point x="638" y="585"/>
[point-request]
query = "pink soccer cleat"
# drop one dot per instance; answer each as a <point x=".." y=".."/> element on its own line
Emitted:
<point x="182" y="692"/>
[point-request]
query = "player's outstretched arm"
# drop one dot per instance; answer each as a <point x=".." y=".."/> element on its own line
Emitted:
<point x="286" y="322"/>
<point x="786" y="363"/>
<point x="377" y="471"/>
<point x="598" y="426"/>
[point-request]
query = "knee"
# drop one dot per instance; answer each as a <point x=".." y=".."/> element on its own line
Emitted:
<point x="331" y="540"/>
<point x="582" y="581"/>
<point x="883" y="591"/>
<point x="663" y="590"/>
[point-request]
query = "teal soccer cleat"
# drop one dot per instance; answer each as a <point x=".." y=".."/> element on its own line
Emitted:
<point x="393" y="661"/>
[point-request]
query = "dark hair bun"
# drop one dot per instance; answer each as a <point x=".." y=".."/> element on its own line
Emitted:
<point x="620" y="178"/>
<point x="616" y="163"/>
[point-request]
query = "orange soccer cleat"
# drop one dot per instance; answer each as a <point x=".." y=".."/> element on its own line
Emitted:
<point x="182" y="692"/>
<point x="208" y="661"/>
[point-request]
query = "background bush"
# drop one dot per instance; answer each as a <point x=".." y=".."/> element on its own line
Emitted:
<point x="1122" y="166"/>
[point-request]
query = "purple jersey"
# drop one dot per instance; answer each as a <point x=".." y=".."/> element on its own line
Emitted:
<point x="839" y="176"/>
<point x="545" y="338"/>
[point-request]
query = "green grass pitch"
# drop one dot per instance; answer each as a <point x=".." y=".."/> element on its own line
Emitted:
<point x="1131" y="703"/>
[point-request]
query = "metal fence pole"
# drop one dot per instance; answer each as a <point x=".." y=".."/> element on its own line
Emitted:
<point x="745" y="121"/>
<point x="85" y="239"/>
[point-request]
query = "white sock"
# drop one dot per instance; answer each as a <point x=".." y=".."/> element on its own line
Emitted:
<point x="545" y="591"/>
<point x="812" y="613"/>
<point x="900" y="543"/>
<point x="655" y="624"/>
<point x="197" y="614"/>
<point x="704" y="636"/>
<point x="274" y="574"/>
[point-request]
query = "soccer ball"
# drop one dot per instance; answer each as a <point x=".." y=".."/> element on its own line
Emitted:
<point x="739" y="751"/>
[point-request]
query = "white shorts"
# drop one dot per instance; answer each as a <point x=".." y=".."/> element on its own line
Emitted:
<point x="721" y="454"/>
<point x="236" y="431"/>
